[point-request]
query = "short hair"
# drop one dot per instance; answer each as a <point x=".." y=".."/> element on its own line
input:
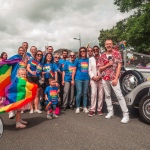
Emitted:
<point x="65" y="51"/>
<point x="24" y="42"/>
<point x="108" y="40"/>
<point x="21" y="47"/>
<point x="96" y="47"/>
<point x="56" y="54"/>
<point x="50" y="46"/>
<point x="51" y="79"/>
<point x="34" y="47"/>
<point x="72" y="52"/>
<point x="20" y="69"/>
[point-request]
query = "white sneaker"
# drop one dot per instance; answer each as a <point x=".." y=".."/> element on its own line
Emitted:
<point x="125" y="119"/>
<point x="11" y="115"/>
<point x="38" y="111"/>
<point x="85" y="110"/>
<point x="31" y="111"/>
<point x="22" y="112"/>
<point x="77" y="110"/>
<point x="109" y="115"/>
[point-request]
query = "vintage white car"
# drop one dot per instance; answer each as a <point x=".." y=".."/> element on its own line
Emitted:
<point x="135" y="83"/>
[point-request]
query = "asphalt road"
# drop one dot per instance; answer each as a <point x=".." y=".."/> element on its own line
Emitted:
<point x="76" y="132"/>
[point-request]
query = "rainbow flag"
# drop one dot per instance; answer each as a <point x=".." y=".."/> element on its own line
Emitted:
<point x="19" y="93"/>
<point x="7" y="70"/>
<point x="52" y="74"/>
<point x="122" y="44"/>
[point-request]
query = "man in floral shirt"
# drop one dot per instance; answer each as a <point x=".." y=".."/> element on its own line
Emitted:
<point x="110" y="66"/>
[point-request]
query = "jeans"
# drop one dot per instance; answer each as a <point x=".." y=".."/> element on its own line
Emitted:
<point x="81" y="89"/>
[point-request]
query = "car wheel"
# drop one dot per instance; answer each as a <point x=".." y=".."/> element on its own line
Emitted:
<point x="129" y="80"/>
<point x="144" y="109"/>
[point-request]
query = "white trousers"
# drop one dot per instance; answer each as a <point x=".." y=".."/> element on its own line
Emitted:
<point x="107" y="89"/>
<point x="96" y="95"/>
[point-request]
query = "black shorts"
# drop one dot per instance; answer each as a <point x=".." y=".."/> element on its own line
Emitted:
<point x="34" y="80"/>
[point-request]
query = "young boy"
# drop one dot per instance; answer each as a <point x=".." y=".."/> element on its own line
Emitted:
<point x="51" y="97"/>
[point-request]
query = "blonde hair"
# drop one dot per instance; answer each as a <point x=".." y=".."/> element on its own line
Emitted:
<point x="20" y="69"/>
<point x="56" y="54"/>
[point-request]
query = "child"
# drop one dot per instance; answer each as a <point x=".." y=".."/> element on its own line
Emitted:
<point x="20" y="123"/>
<point x="51" y="95"/>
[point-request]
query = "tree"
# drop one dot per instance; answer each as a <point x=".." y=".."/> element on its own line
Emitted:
<point x="135" y="29"/>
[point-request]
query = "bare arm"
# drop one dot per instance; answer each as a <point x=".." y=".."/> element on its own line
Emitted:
<point x="63" y="75"/>
<point x="115" y="81"/>
<point x="73" y="74"/>
<point x="56" y="76"/>
<point x="118" y="71"/>
<point x="29" y="70"/>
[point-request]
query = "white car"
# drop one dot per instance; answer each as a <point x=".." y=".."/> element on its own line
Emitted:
<point x="135" y="84"/>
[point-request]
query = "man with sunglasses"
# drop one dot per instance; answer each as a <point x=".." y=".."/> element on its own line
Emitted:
<point x="110" y="67"/>
<point x="68" y="81"/>
<point x="96" y="83"/>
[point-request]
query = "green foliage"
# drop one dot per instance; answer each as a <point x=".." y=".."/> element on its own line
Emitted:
<point x="135" y="29"/>
<point x="126" y="5"/>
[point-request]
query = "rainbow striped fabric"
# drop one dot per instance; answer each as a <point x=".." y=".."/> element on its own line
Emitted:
<point x="71" y="68"/>
<point x="52" y="74"/>
<point x="19" y="93"/>
<point x="84" y="66"/>
<point x="34" y="63"/>
<point x="53" y="94"/>
<point x="7" y="70"/>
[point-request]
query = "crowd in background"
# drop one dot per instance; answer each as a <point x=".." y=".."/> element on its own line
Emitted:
<point x="69" y="81"/>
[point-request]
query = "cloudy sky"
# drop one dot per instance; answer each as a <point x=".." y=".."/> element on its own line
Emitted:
<point x="54" y="22"/>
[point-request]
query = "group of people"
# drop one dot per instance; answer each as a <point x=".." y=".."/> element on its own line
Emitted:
<point x="69" y="79"/>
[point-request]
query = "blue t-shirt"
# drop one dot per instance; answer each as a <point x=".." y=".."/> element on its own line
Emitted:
<point x="49" y="70"/>
<point x="82" y="69"/>
<point x="35" y="66"/>
<point x="68" y="68"/>
<point x="62" y="63"/>
<point x="57" y="65"/>
<point x="52" y="94"/>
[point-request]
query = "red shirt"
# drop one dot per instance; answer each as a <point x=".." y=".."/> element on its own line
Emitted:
<point x="110" y="72"/>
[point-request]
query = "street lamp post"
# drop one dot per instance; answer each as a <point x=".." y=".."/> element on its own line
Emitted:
<point x="78" y="39"/>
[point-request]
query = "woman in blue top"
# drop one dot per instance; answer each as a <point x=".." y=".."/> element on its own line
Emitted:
<point x="82" y="79"/>
<point x="49" y="69"/>
<point x="34" y="69"/>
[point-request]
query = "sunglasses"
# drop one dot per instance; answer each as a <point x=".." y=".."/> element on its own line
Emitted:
<point x="82" y="51"/>
<point x="90" y="50"/>
<point x="39" y="55"/>
<point x="95" y="49"/>
<point x="57" y="57"/>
